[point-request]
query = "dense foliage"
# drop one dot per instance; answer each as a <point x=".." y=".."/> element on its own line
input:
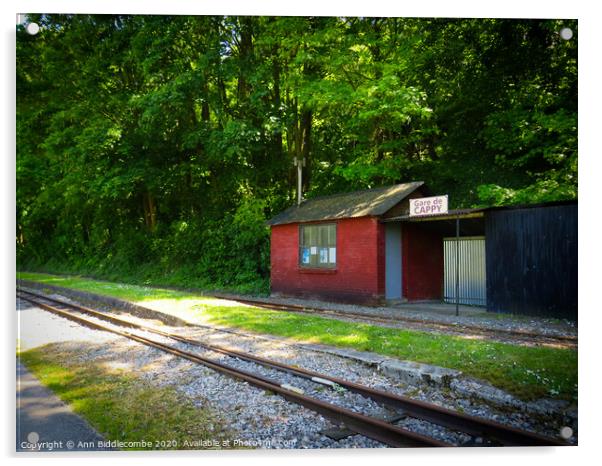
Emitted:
<point x="155" y="147"/>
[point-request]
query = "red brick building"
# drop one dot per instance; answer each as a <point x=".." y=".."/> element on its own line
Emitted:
<point x="343" y="247"/>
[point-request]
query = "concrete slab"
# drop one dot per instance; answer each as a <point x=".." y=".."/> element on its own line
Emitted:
<point x="45" y="423"/>
<point x="414" y="372"/>
<point x="370" y="359"/>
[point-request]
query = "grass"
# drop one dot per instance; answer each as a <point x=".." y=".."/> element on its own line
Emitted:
<point x="116" y="290"/>
<point x="121" y="406"/>
<point x="527" y="372"/>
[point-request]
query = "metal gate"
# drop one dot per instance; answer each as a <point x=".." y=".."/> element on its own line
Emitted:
<point x="470" y="271"/>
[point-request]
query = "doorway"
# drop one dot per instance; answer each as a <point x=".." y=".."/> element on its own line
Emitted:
<point x="393" y="261"/>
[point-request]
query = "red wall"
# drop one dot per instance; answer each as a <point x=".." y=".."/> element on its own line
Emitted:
<point x="360" y="271"/>
<point x="422" y="259"/>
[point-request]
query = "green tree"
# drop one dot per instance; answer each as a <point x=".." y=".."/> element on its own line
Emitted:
<point x="155" y="147"/>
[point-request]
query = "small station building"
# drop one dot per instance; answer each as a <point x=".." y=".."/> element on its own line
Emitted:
<point x="364" y="247"/>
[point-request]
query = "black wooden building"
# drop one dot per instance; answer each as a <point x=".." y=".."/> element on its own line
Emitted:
<point x="532" y="260"/>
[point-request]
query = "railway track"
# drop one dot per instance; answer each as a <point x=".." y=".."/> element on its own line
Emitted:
<point x="503" y="334"/>
<point x="494" y="433"/>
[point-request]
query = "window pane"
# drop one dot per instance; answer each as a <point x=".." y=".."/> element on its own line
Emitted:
<point x="323" y="236"/>
<point x="317" y="245"/>
<point x="332" y="235"/>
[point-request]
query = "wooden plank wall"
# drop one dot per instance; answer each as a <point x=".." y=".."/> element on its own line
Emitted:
<point x="531" y="257"/>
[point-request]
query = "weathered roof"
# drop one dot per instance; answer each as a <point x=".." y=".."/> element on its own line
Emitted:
<point x="476" y="211"/>
<point x="370" y="202"/>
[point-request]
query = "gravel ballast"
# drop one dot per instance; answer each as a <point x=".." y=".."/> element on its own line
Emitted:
<point x="261" y="419"/>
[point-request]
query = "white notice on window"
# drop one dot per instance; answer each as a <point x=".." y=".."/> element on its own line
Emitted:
<point x="314" y="250"/>
<point x="332" y="255"/>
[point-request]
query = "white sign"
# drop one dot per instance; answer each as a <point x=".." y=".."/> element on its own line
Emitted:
<point x="428" y="206"/>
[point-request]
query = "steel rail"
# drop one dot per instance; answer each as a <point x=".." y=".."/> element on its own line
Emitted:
<point x="474" y="426"/>
<point x="317" y="310"/>
<point x="370" y="427"/>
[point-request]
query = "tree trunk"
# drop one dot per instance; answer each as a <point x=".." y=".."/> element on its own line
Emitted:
<point x="276" y="138"/>
<point x="150" y="211"/>
<point x="205" y="105"/>
<point x="245" y="55"/>
<point x="305" y="137"/>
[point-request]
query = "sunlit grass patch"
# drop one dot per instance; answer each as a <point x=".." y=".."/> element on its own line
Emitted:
<point x="117" y="290"/>
<point x="121" y="406"/>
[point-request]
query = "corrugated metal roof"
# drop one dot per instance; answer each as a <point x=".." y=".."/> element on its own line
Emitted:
<point x="370" y="202"/>
<point x="451" y="214"/>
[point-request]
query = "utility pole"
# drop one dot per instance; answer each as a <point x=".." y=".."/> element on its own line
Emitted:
<point x="299" y="163"/>
<point x="458" y="265"/>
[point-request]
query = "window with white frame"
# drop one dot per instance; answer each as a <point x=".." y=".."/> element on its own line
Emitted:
<point x="318" y="245"/>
